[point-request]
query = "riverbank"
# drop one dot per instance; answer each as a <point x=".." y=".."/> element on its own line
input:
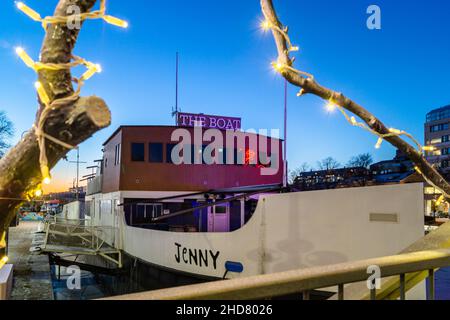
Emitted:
<point x="32" y="277"/>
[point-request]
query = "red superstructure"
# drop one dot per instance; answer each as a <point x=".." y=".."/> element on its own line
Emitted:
<point x="137" y="158"/>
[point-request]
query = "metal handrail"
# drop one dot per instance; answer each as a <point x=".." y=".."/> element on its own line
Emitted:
<point x="306" y="280"/>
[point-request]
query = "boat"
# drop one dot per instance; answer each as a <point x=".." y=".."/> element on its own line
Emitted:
<point x="228" y="220"/>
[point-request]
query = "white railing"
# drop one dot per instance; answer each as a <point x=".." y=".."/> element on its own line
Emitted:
<point x="303" y="281"/>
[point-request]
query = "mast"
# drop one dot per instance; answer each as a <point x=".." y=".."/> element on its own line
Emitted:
<point x="285" y="175"/>
<point x="175" y="113"/>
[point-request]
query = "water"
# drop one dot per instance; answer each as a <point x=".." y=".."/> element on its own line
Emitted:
<point x="442" y="284"/>
<point x="95" y="286"/>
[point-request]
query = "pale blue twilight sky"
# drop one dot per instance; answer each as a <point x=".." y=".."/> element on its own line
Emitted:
<point x="400" y="72"/>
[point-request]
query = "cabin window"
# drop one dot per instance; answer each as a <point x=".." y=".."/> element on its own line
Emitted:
<point x="155" y="152"/>
<point x="221" y="209"/>
<point x="117" y="154"/>
<point x="137" y="152"/>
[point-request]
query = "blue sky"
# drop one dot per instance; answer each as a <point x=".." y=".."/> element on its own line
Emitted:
<point x="399" y="73"/>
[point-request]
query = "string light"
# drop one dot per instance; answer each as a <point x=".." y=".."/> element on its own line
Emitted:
<point x="269" y="24"/>
<point x="38" y="193"/>
<point x="92" y="69"/>
<point x="98" y="14"/>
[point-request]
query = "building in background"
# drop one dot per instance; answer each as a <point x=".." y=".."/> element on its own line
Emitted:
<point x="437" y="134"/>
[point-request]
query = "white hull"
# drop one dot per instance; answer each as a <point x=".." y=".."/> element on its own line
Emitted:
<point x="287" y="231"/>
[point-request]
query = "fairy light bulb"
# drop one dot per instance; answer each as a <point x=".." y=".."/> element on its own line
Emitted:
<point x="42" y="93"/>
<point x="45" y="171"/>
<point x="116" y="21"/>
<point x="379" y="142"/>
<point x="440" y="200"/>
<point x="93" y="69"/>
<point x="25" y="58"/>
<point x="28" y="11"/>
<point x="395" y="131"/>
<point x="428" y="148"/>
<point x="353" y="121"/>
<point x="3" y="261"/>
<point x="265" y="25"/>
<point x="330" y="107"/>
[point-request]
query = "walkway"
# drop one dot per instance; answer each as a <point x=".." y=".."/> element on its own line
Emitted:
<point x="32" y="279"/>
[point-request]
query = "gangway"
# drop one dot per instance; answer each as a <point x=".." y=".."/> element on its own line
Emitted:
<point x="78" y="237"/>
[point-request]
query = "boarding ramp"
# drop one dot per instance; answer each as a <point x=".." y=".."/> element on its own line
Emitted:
<point x="78" y="237"/>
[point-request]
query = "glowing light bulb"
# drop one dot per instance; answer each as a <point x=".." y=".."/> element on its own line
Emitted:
<point x="265" y="25"/>
<point x="45" y="171"/>
<point x="440" y="200"/>
<point x="353" y="121"/>
<point x="278" y="66"/>
<point x="294" y="49"/>
<point x="418" y="170"/>
<point x="395" y="131"/>
<point x="93" y="69"/>
<point x="379" y="142"/>
<point x="28" y="11"/>
<point x="428" y="148"/>
<point x="3" y="261"/>
<point x="42" y="93"/>
<point x="116" y="21"/>
<point x="25" y="57"/>
<point x="330" y="107"/>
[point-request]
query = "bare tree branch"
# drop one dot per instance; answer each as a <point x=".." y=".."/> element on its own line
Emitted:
<point x="309" y="85"/>
<point x="72" y="122"/>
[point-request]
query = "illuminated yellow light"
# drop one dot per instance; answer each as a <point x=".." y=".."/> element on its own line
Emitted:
<point x="3" y="261"/>
<point x="91" y="71"/>
<point x="265" y="25"/>
<point x="379" y="142"/>
<point x="353" y="121"/>
<point x="278" y="66"/>
<point x="28" y="11"/>
<point x="294" y="48"/>
<point x="38" y="193"/>
<point x="42" y="93"/>
<point x="45" y="171"/>
<point x="116" y="21"/>
<point x="418" y="169"/>
<point x="395" y="131"/>
<point x="99" y="68"/>
<point x="428" y="148"/>
<point x="330" y="107"/>
<point x="440" y="200"/>
<point x="25" y="58"/>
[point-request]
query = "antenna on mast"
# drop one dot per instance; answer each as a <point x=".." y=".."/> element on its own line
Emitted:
<point x="176" y="110"/>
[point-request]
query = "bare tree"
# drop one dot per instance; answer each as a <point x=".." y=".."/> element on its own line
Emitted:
<point x="328" y="164"/>
<point x="6" y="132"/>
<point x="71" y="119"/>
<point x="363" y="160"/>
<point x="308" y="85"/>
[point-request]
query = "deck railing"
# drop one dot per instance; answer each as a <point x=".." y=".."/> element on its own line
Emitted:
<point x="303" y="281"/>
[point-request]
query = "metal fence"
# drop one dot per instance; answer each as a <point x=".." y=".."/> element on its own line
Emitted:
<point x="80" y="237"/>
<point x="303" y="281"/>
